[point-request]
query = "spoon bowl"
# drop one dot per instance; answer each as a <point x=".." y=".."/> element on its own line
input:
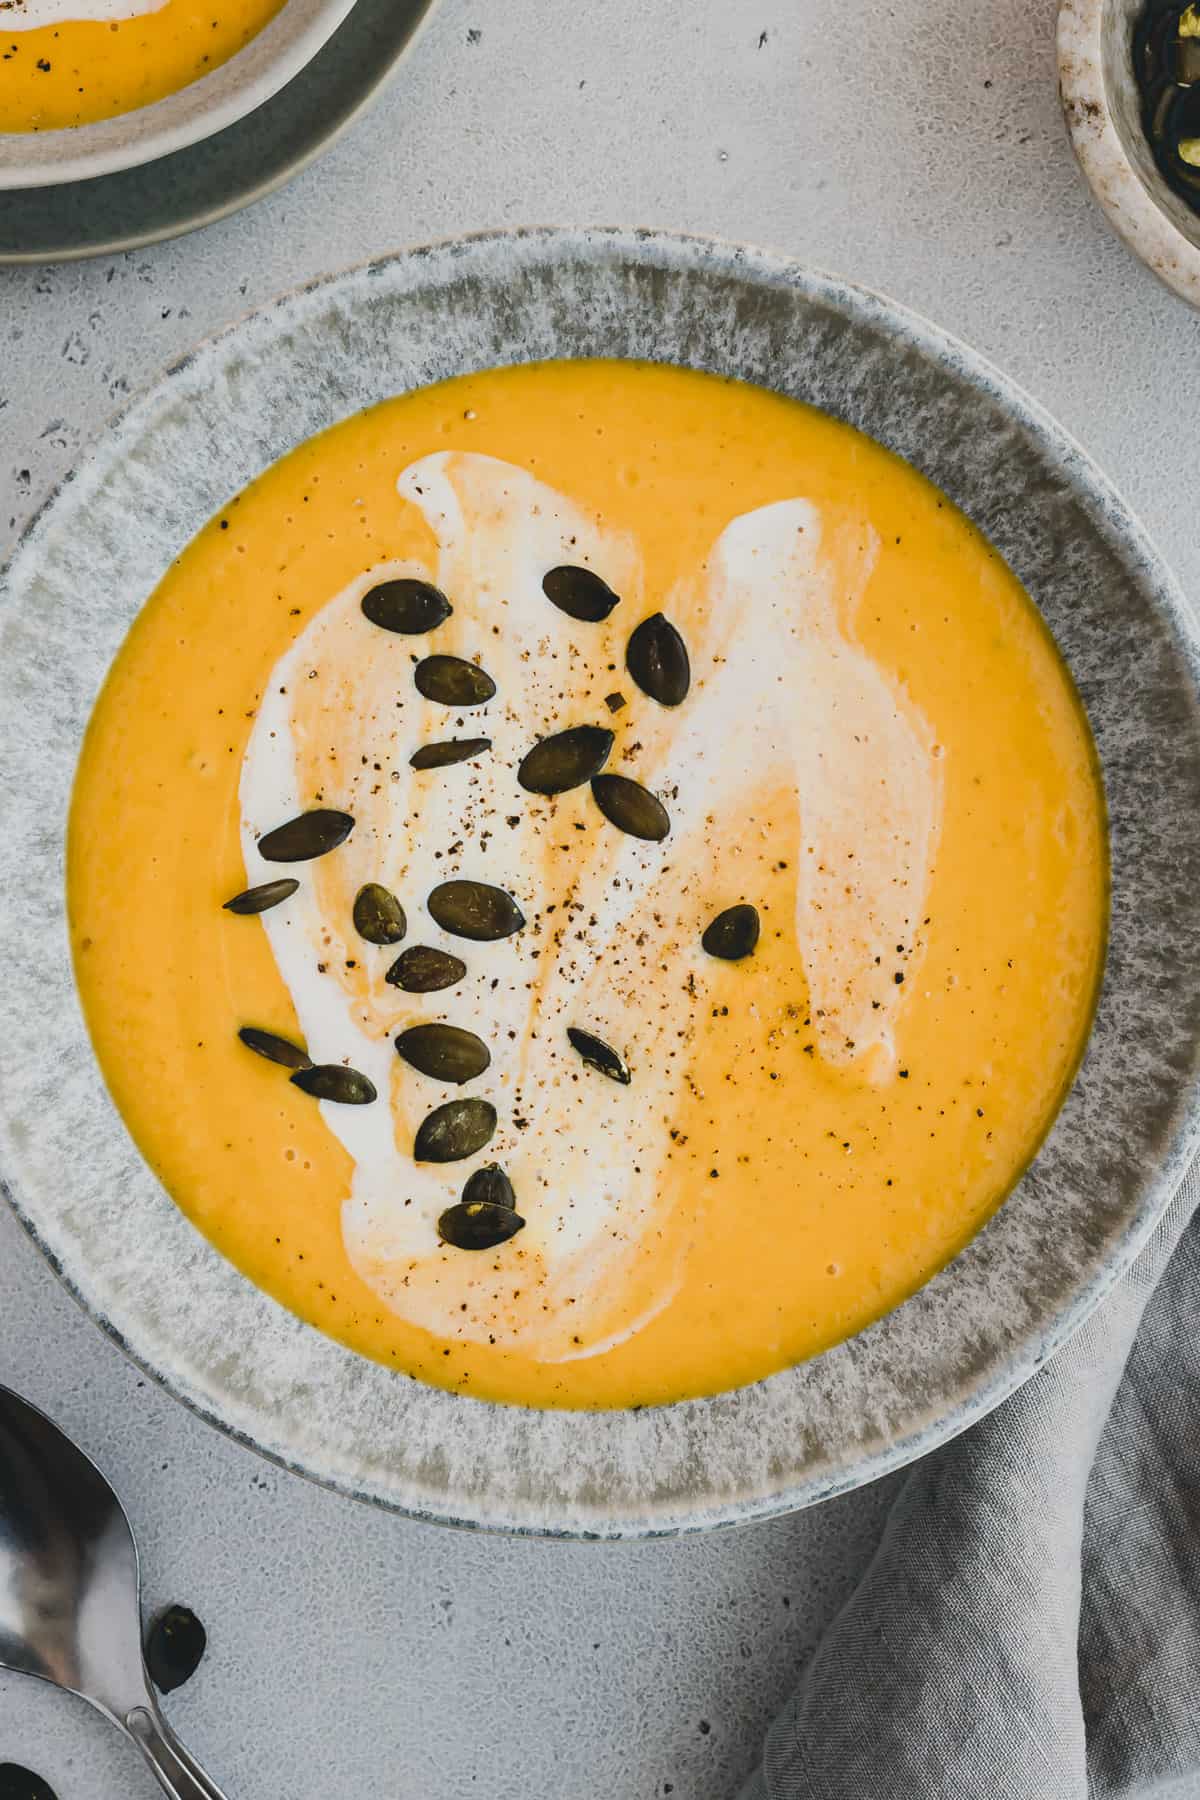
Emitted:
<point x="70" y="1589"/>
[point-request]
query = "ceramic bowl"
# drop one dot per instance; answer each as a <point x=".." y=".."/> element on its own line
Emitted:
<point x="1129" y="1125"/>
<point x="1103" y="110"/>
<point x="268" y="62"/>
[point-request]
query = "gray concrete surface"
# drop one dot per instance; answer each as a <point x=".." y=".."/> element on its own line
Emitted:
<point x="914" y="146"/>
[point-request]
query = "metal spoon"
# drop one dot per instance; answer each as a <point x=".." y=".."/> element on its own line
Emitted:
<point x="69" y="1590"/>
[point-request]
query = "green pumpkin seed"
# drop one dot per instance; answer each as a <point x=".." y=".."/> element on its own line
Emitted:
<point x="491" y="1187"/>
<point x="457" y="1129"/>
<point x="631" y="807"/>
<point x="1187" y="61"/>
<point x="175" y="1646"/>
<point x="453" y="750"/>
<point x="422" y="970"/>
<point x="566" y="760"/>
<point x="656" y="656"/>
<point x="407" y="606"/>
<point x="732" y="934"/>
<point x="275" y="1049"/>
<point x="477" y="1225"/>
<point x="20" y="1783"/>
<point x="579" y="593"/>
<point x="599" y="1055"/>
<point x="378" y="915"/>
<point x="452" y="681"/>
<point x="445" y="1052"/>
<point x="311" y="834"/>
<point x="472" y="909"/>
<point x="334" y="1081"/>
<point x="261" y="899"/>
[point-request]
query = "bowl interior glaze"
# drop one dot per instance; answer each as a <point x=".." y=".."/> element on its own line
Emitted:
<point x="1129" y="1125"/>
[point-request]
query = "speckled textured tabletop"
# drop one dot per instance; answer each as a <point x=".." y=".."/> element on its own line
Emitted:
<point x="925" y="156"/>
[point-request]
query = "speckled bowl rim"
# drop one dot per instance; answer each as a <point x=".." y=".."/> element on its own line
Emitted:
<point x="1136" y="200"/>
<point x="264" y="66"/>
<point x="912" y="1380"/>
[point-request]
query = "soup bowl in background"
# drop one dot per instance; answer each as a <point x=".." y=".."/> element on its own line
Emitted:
<point x="267" y="63"/>
<point x="1082" y="1209"/>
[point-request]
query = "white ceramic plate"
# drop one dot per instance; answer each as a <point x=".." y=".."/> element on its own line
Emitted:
<point x="1104" y="1174"/>
<point x="280" y="51"/>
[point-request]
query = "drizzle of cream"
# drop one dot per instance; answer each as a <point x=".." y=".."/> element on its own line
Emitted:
<point x="810" y="707"/>
<point x="30" y="15"/>
<point x="611" y="940"/>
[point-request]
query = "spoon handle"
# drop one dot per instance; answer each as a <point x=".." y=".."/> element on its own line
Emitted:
<point x="176" y="1771"/>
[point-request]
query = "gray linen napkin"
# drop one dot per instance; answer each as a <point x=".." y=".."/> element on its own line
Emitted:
<point x="1029" y="1628"/>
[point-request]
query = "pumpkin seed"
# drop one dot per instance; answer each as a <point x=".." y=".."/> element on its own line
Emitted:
<point x="175" y="1644"/>
<point x="732" y="934"/>
<point x="407" y="606"/>
<point x="20" y="1783"/>
<point x="478" y="1225"/>
<point x="422" y="970"/>
<point x="457" y="1129"/>
<point x="453" y="750"/>
<point x="599" y="1055"/>
<point x="656" y="656"/>
<point x="579" y="593"/>
<point x="453" y="681"/>
<point x="378" y="915"/>
<point x="472" y="909"/>
<point x="566" y="760"/>
<point x="275" y="1049"/>
<point x="311" y="834"/>
<point x="446" y="1052"/>
<point x="334" y="1081"/>
<point x="491" y="1186"/>
<point x="631" y="807"/>
<point x="261" y="899"/>
<point x="1187" y="66"/>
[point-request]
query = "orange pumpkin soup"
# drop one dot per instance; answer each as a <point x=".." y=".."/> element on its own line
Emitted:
<point x="669" y="1055"/>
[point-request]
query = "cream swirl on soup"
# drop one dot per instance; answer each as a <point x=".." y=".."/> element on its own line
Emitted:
<point x="30" y="15"/>
<point x="780" y="693"/>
